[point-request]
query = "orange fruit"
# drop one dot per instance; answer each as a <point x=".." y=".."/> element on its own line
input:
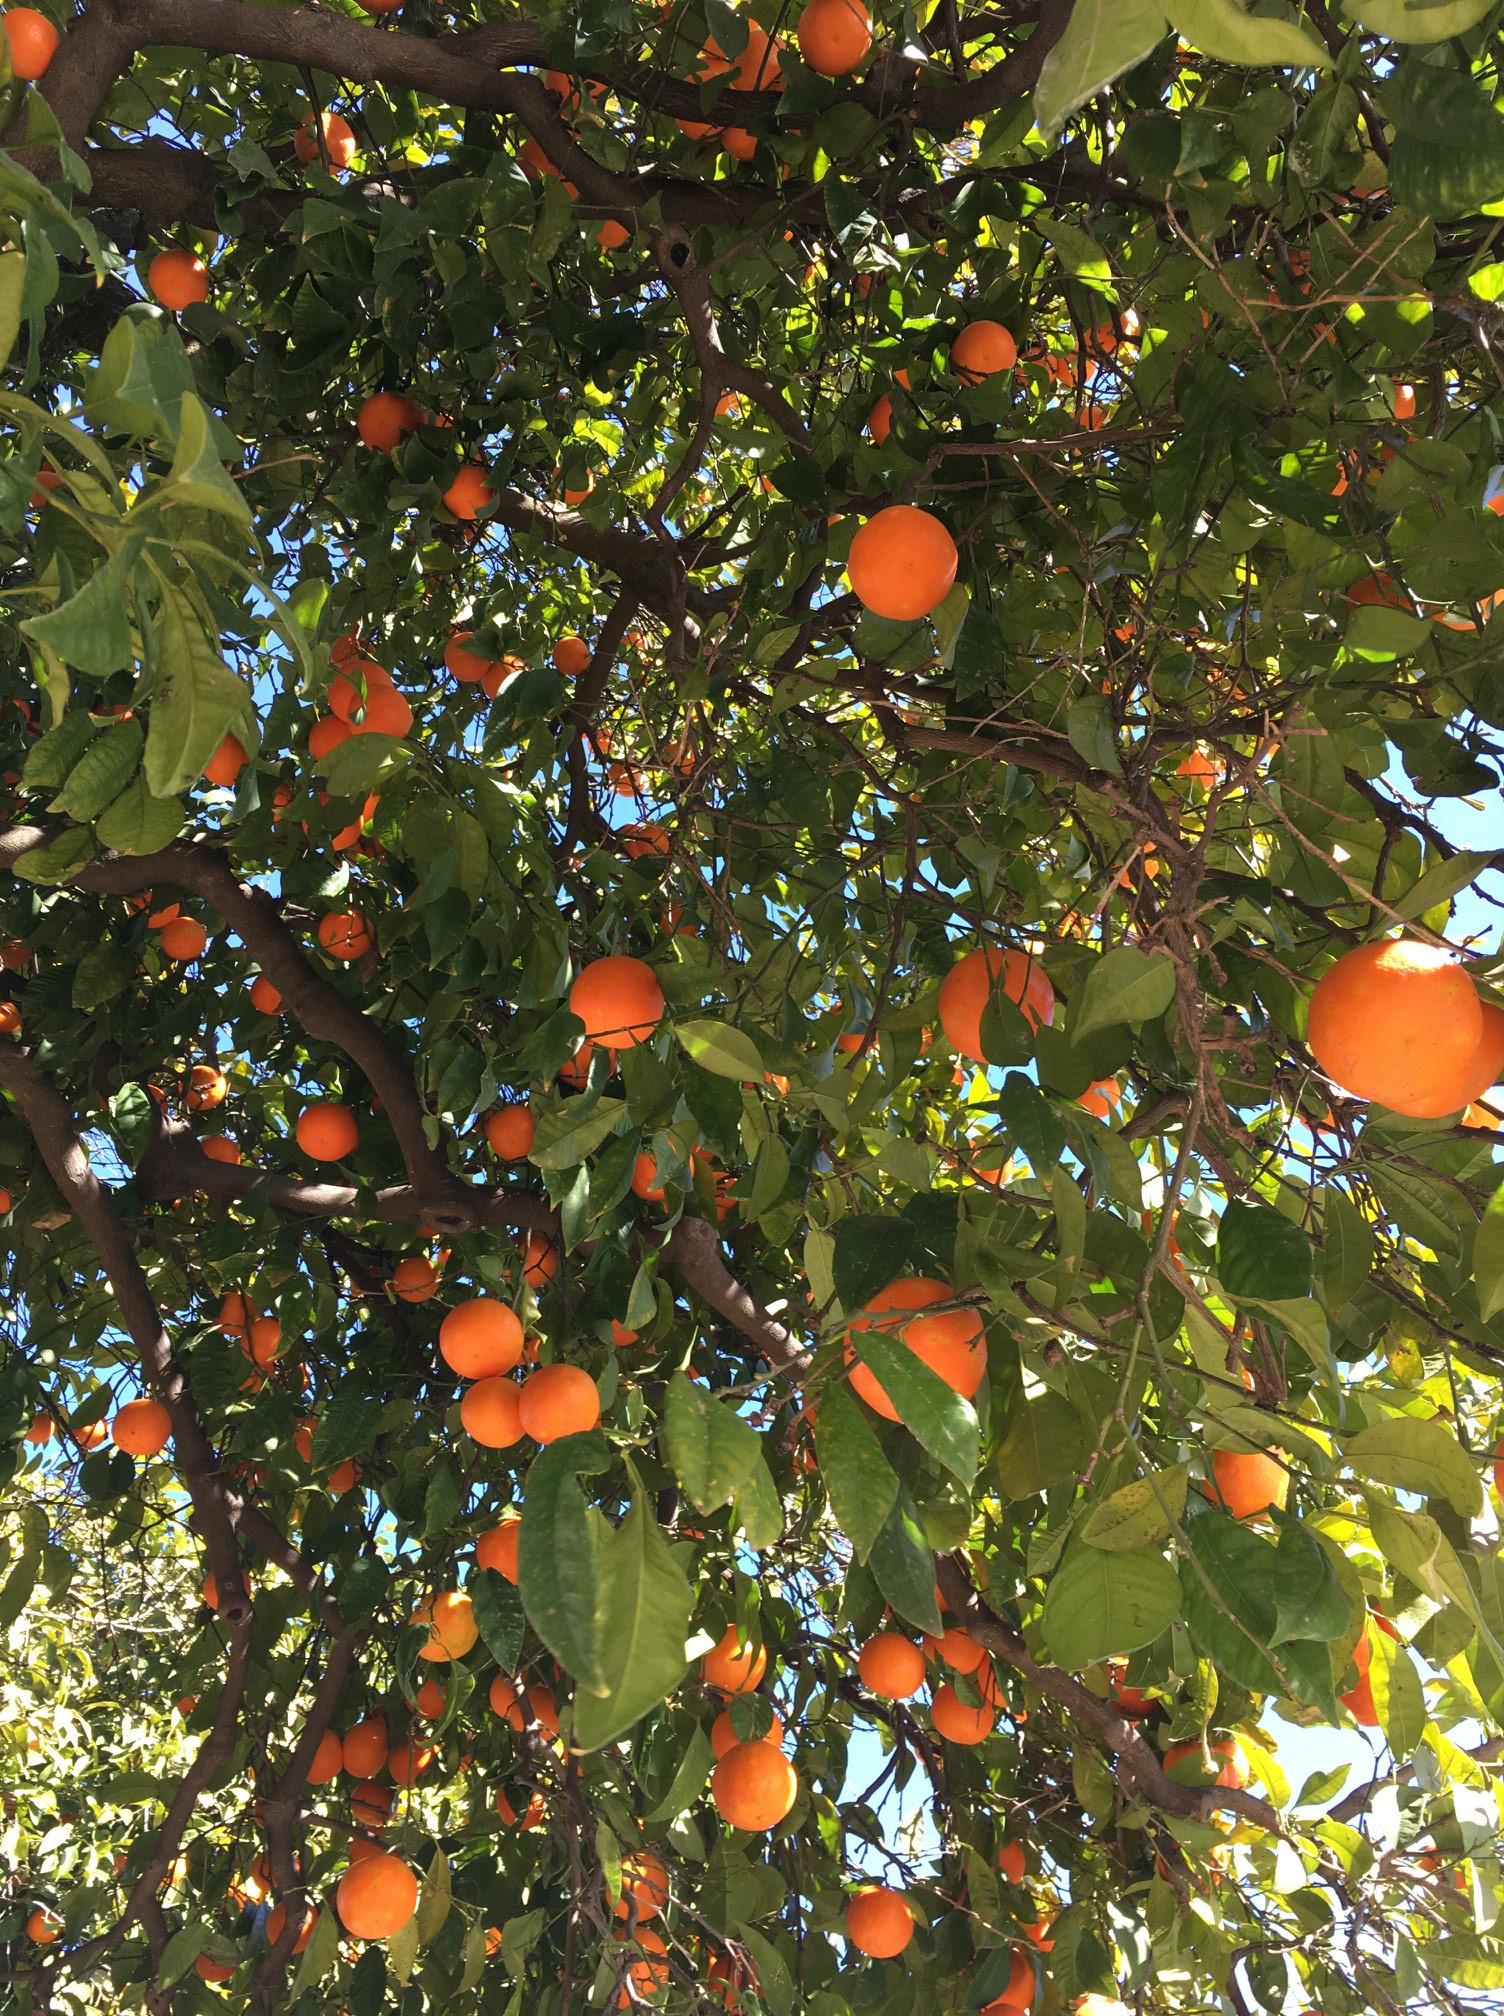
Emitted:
<point x="618" y="999"/>
<point x="364" y="1749"/>
<point x="385" y="418"/>
<point x="207" y="1086"/>
<point x="264" y="997"/>
<point x="415" y="1279"/>
<point x="10" y="1019"/>
<point x="339" y="140"/>
<point x="263" y="1340"/>
<point x="731" y="1667"/>
<point x="509" y="1132"/>
<point x="970" y="983"/>
<point x="376" y="1897"/>
<point x="227" y="762"/>
<point x="327" y="734"/>
<point x="469" y="493"/>
<point x="467" y="666"/>
<point x="532" y="1814"/>
<point x="558" y="1400"/>
<point x="1249" y="1482"/>
<point x="890" y="1666"/>
<point x="644" y="1883"/>
<point x="723" y="1736"/>
<point x="1023" y="1984"/>
<point x="571" y="656"/>
<point x="834" y="36"/>
<point x="754" y="1786"/>
<point x="183" y="939"/>
<point x="1399" y="1022"/>
<point x="212" y="1970"/>
<point x="345" y="934"/>
<point x="957" y="1721"/>
<point x="90" y="1436"/>
<point x="409" y="1762"/>
<point x="490" y="1412"/>
<point x="480" y="1338"/>
<point x="33" y="44"/>
<point x="276" y="1918"/>
<point x="756" y="69"/>
<point x="176" y="279"/>
<point x="902" y="563"/>
<point x="957" y="1648"/>
<point x="328" y="1759"/>
<point x="452" y="1629"/>
<point x="41" y="1927"/>
<point x="540" y="1259"/>
<point x="326" y="1131"/>
<point x="430" y="1700"/>
<point x="1185" y="1764"/>
<point x="879" y="1921"/>
<point x="1011" y="1862"/>
<point x="540" y="1705"/>
<point x="612" y="236"/>
<point x="980" y="349"/>
<point x="647" y="1976"/>
<point x="236" y="1315"/>
<point x="142" y="1428"/>
<point x="41" y="1429"/>
<point x="951" y="1343"/>
<point x="498" y="1548"/>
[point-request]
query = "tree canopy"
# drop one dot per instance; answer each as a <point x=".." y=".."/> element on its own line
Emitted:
<point x="752" y="1229"/>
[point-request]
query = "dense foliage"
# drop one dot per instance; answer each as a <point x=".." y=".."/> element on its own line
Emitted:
<point x="973" y="1365"/>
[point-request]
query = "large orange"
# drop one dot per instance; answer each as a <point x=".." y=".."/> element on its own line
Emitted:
<point x="345" y="934"/>
<point x="558" y="1400"/>
<point x="1249" y="1482"/>
<point x="376" y="1897"/>
<point x="732" y="1666"/>
<point x="980" y="349"/>
<point x="879" y="1921"/>
<point x="452" y="1629"/>
<point x="644" y="1884"/>
<point x="951" y="1343"/>
<point x="902" y="563"/>
<point x="177" y="279"/>
<point x="509" y="1132"/>
<point x="648" y="1975"/>
<point x="469" y="494"/>
<point x="834" y="36"/>
<point x="537" y="1705"/>
<point x="364" y="1748"/>
<point x="618" y="999"/>
<point x="1401" y="1023"/>
<point x="498" y="1548"/>
<point x="723" y="1736"/>
<point x="385" y="418"/>
<point x="142" y="1427"/>
<point x="890" y="1666"/>
<point x="969" y="985"/>
<point x="957" y="1721"/>
<point x="326" y="1131"/>
<point x="754" y="1787"/>
<point x="481" y="1338"/>
<point x="490" y="1412"/>
<point x="33" y="43"/>
<point x="339" y="140"/>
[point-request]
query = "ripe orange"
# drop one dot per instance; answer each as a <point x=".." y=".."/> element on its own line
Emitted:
<point x="957" y="1721"/>
<point x="480" y="1338"/>
<point x="345" y="934"/>
<point x="10" y="1019"/>
<point x="370" y="1806"/>
<point x="1023" y="1985"/>
<point x="879" y="1921"/>
<point x="430" y="1700"/>
<point x="612" y="236"/>
<point x="540" y="1706"/>
<point x="649" y="1975"/>
<point x="723" y="1736"/>
<point x="571" y="657"/>
<point x="227" y="762"/>
<point x="328" y="1759"/>
<point x="498" y="1548"/>
<point x="41" y="1927"/>
<point x="532" y="1814"/>
<point x="491" y="1414"/>
<point x="469" y="494"/>
<point x="1401" y="1023"/>
<point x="264" y="996"/>
<point x="276" y="1918"/>
<point x="142" y="1428"/>
<point x="980" y="349"/>
<point x="1011" y="1862"/>
<point x="452" y="1629"/>
<point x="207" y="1087"/>
<point x="1185" y="1764"/>
<point x="509" y="1132"/>
<point x="891" y="1667"/>
<point x="467" y="666"/>
<point x="619" y="1001"/>
<point x="644" y="1883"/>
<point x="558" y="1400"/>
<point x="339" y="141"/>
<point x="41" y="1429"/>
<point x="731" y="1667"/>
<point x="176" y="279"/>
<point x="236" y="1315"/>
<point x="970" y="983"/>
<point x="326" y="1131"/>
<point x="834" y="36"/>
<point x="33" y="44"/>
<point x="90" y="1435"/>
<point x="540" y="1259"/>
<point x="212" y="1970"/>
<point x="951" y="1343"/>
<point x="409" y="1762"/>
<point x="415" y="1279"/>
<point x="183" y="939"/>
<point x="957" y="1648"/>
<point x="902" y="563"/>
<point x="364" y="1749"/>
<point x="756" y="69"/>
<point x="754" y="1787"/>
<point x="1248" y="1482"/>
<point x="385" y="418"/>
<point x="376" y="1897"/>
<point x="1101" y="1097"/>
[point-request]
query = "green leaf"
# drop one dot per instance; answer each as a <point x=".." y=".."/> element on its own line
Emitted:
<point x="1222" y="29"/>
<point x="1123" y="986"/>
<point x="1097" y="1605"/>
<point x="1229" y="1602"/>
<point x="1488" y="1257"/>
<point x="101" y="772"/>
<point x="903" y="1566"/>
<point x="143" y="375"/>
<point x="869" y="1253"/>
<point x="319" y="1957"/>
<point x="857" y="1476"/>
<point x="718" y="1048"/>
<point x="58" y="861"/>
<point x="558" y="1556"/>
<point x="46" y="767"/>
<point x="1309" y="1601"/>
<point x="12" y="280"/>
<point x="103" y="974"/>
<point x="1420" y="1456"/>
<point x="1448" y="152"/>
<point x="1441" y="882"/>
<point x="195" y="700"/>
<point x="1043" y="1443"/>
<point x="644" y="1624"/>
<point x="182" y="1949"/>
<point x="1261" y="1256"/>
<point x="1100" y="42"/>
<point x="1347" y="1249"/>
<point x="710" y="1448"/>
<point x="347" y="1427"/>
<point x="197" y="476"/>
<point x="434" y="1898"/>
<point x="934" y="1413"/>
<point x="758" y="1508"/>
<point x="1418" y="20"/>
<point x="1139" y="1514"/>
<point x="571" y="1129"/>
<point x="499" y="1616"/>
<point x="1398" y="1697"/>
<point x="138" y="822"/>
<point x="91" y="631"/>
<point x="688" y="1781"/>
<point x="1089" y="727"/>
<point x="1032" y="1121"/>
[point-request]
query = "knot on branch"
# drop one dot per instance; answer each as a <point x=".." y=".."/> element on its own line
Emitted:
<point x="675" y="251"/>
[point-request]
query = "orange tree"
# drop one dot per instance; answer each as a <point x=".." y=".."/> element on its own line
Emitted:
<point x="750" y="1201"/>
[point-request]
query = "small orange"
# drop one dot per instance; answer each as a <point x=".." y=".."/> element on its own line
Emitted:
<point x="957" y="1721"/>
<point x="33" y="44"/>
<point x="345" y="934"/>
<point x="952" y="1342"/>
<point x="183" y="939"/>
<point x="509" y="1132"/>
<point x="430" y="1700"/>
<point x="723" y="1736"/>
<point x="644" y="1883"/>
<point x="10" y="1019"/>
<point x="328" y="1759"/>
<point x="902" y="563"/>
<point x="326" y="1131"/>
<point x="41" y="1927"/>
<point x="385" y="418"/>
<point x="571" y="657"/>
<point x="276" y="1918"/>
<point x="834" y="36"/>
<point x="469" y="493"/>
<point x="452" y="1629"/>
<point x="879" y="1921"/>
<point x="177" y="280"/>
<point x="498" y="1548"/>
<point x="227" y="762"/>
<point x="364" y="1748"/>
<point x="1249" y="1482"/>
<point x="968" y="987"/>
<point x="264" y="997"/>
<point x="415" y="1279"/>
<point x="339" y="141"/>
<point x="980" y="349"/>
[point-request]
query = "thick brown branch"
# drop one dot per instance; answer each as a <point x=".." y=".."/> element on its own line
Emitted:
<point x="693" y="1248"/>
